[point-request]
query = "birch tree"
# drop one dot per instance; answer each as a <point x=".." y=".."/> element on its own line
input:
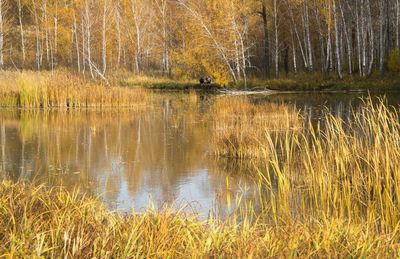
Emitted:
<point x="1" y="35"/>
<point x="21" y="29"/>
<point x="337" y="48"/>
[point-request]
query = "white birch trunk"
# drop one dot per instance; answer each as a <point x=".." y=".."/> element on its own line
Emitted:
<point x="371" y="39"/>
<point x="78" y="59"/>
<point x="1" y="35"/>
<point x="358" y="32"/>
<point x="338" y="61"/>
<point x="83" y="44"/>
<point x="37" y="35"/>
<point x="310" y="53"/>
<point x="21" y="30"/>
<point x="88" y="38"/>
<point x="118" y="23"/>
<point x="293" y="51"/>
<point x="104" y="38"/>
<point x="303" y="55"/>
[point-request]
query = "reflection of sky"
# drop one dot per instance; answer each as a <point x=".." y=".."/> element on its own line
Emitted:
<point x="193" y="191"/>
<point x="131" y="160"/>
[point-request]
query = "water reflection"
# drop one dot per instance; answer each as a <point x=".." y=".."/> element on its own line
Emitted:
<point x="131" y="159"/>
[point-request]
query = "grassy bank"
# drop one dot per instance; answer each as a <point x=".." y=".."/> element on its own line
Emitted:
<point x="330" y="191"/>
<point x="301" y="83"/>
<point x="162" y="83"/>
<point x="317" y="82"/>
<point x="63" y="89"/>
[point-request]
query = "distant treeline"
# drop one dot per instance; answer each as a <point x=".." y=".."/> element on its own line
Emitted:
<point x="228" y="39"/>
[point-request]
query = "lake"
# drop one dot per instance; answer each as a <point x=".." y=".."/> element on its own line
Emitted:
<point x="151" y="157"/>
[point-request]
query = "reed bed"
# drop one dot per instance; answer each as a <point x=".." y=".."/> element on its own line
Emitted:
<point x="240" y="125"/>
<point x="329" y="191"/>
<point x="37" y="221"/>
<point x="339" y="170"/>
<point x="65" y="90"/>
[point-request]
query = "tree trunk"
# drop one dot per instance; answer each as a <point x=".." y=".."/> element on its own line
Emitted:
<point x="346" y="33"/>
<point x="307" y="26"/>
<point x="78" y="59"/>
<point x="371" y="39"/>
<point x="104" y="38"/>
<point x="1" y="35"/>
<point x="338" y="61"/>
<point x="83" y="32"/>
<point x="358" y="38"/>
<point x="397" y="24"/>
<point x="21" y="30"/>
<point x="37" y="55"/>
<point x="293" y="52"/>
<point x="264" y="15"/>
<point x="381" y="36"/>
<point x="303" y="55"/>
<point x="276" y="39"/>
<point x="88" y="38"/>
<point x="117" y="17"/>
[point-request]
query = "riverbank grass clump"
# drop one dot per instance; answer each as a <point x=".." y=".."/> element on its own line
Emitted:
<point x="240" y="125"/>
<point x="341" y="170"/>
<point x="63" y="90"/>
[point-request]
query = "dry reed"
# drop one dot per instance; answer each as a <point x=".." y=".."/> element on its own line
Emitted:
<point x="240" y="124"/>
<point x="65" y="90"/>
<point x="330" y="191"/>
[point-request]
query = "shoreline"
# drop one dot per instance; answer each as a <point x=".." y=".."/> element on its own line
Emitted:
<point x="371" y="85"/>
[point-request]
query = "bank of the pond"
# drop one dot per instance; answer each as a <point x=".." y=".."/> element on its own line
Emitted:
<point x="63" y="88"/>
<point x="50" y="222"/>
<point x="301" y="83"/>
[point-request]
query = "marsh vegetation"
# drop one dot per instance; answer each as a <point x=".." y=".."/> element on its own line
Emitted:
<point x="98" y="160"/>
<point x="63" y="90"/>
<point x="327" y="186"/>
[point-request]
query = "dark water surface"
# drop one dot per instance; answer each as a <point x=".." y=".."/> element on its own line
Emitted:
<point x="136" y="159"/>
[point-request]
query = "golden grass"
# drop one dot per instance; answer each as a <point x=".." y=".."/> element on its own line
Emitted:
<point x="41" y="222"/>
<point x="240" y="125"/>
<point x="156" y="82"/>
<point x="53" y="223"/>
<point x="63" y="89"/>
<point x="339" y="170"/>
<point x="330" y="191"/>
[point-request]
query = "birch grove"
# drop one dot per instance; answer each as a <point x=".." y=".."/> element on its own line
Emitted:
<point x="231" y="40"/>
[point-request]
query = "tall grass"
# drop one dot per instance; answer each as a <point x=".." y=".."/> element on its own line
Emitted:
<point x="240" y="124"/>
<point x="339" y="170"/>
<point x="330" y="191"/>
<point x="63" y="89"/>
<point x="41" y="222"/>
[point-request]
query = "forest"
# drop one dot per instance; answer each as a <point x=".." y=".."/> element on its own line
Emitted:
<point x="231" y="40"/>
<point x="199" y="128"/>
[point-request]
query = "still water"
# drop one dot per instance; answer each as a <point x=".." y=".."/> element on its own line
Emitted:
<point x="151" y="157"/>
